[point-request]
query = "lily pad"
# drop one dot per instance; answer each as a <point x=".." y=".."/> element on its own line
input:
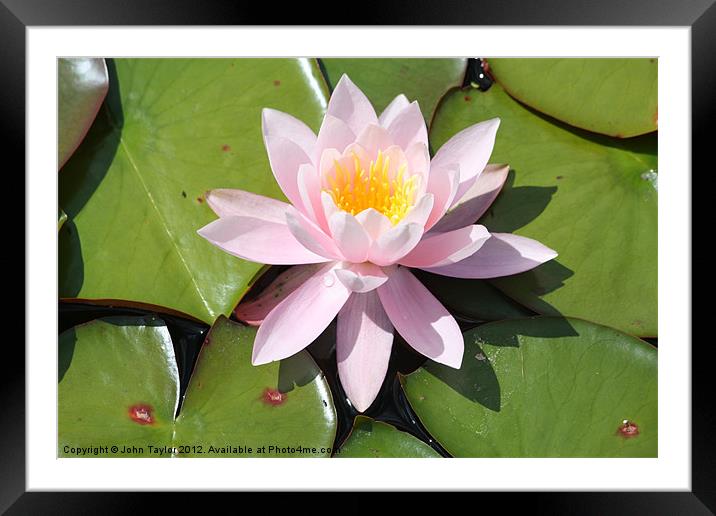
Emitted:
<point x="82" y="85"/>
<point x="170" y="130"/>
<point x="591" y="198"/>
<point x="542" y="387"/>
<point x="371" y="438"/>
<point x="424" y="80"/>
<point x="617" y="97"/>
<point x="278" y="406"/>
<point x="119" y="385"/>
<point x="472" y="299"/>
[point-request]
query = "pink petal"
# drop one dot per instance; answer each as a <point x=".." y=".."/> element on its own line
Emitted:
<point x="330" y="157"/>
<point x="277" y="123"/>
<point x="364" y="339"/>
<point x="334" y="134"/>
<point x="255" y="311"/>
<point x="421" y="320"/>
<point x="419" y="213"/>
<point x="285" y="158"/>
<point x="258" y="240"/>
<point x="470" y="149"/>
<point x="408" y="127"/>
<point x="349" y="104"/>
<point x="446" y="248"/>
<point x="349" y="236"/>
<point x="362" y="277"/>
<point x="326" y="163"/>
<point x="443" y="184"/>
<point x="502" y="255"/>
<point x="310" y="235"/>
<point x="374" y="222"/>
<point x="374" y="138"/>
<point x="394" y="108"/>
<point x="358" y="150"/>
<point x="309" y="188"/>
<point x="396" y="158"/>
<point x="227" y="202"/>
<point x="476" y="200"/>
<point x="329" y="205"/>
<point x="395" y="243"/>
<point x="418" y="158"/>
<point x="300" y="318"/>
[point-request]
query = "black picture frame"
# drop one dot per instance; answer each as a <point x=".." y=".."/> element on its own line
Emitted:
<point x="17" y="15"/>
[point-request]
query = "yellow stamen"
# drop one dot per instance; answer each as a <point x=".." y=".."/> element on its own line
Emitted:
<point x="356" y="190"/>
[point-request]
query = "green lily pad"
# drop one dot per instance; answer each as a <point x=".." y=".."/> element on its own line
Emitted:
<point x="119" y="386"/>
<point x="229" y="402"/>
<point x="424" y="80"/>
<point x="82" y="85"/>
<point x="170" y="130"/>
<point x="371" y="438"/>
<point x="590" y="198"/>
<point x="617" y="97"/>
<point x="542" y="387"/>
<point x="472" y="299"/>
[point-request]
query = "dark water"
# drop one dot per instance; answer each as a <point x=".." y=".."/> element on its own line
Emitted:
<point x="477" y="75"/>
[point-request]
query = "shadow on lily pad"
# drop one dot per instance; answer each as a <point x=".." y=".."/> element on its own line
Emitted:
<point x="527" y="288"/>
<point x="79" y="179"/>
<point x="476" y="380"/>
<point x="296" y="371"/>
<point x="522" y="204"/>
<point x="65" y="352"/>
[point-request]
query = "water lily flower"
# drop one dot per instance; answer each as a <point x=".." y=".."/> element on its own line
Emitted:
<point x="367" y="204"/>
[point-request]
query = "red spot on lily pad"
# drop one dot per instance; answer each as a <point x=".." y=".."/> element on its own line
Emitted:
<point x="467" y="98"/>
<point x="277" y="83"/>
<point x="628" y="429"/>
<point x="226" y="147"/>
<point x="141" y="414"/>
<point x="273" y="397"/>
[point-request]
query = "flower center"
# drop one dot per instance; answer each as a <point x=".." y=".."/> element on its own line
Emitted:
<point x="354" y="189"/>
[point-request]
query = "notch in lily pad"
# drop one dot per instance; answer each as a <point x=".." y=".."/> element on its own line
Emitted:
<point x="119" y="383"/>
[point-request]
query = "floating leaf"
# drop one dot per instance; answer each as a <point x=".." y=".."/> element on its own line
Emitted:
<point x="424" y="80"/>
<point x="371" y="438"/>
<point x="585" y="196"/>
<point x="229" y="401"/>
<point x="617" y="97"/>
<point x="172" y="129"/>
<point x="82" y="85"/>
<point x="542" y="387"/>
<point x="119" y="385"/>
